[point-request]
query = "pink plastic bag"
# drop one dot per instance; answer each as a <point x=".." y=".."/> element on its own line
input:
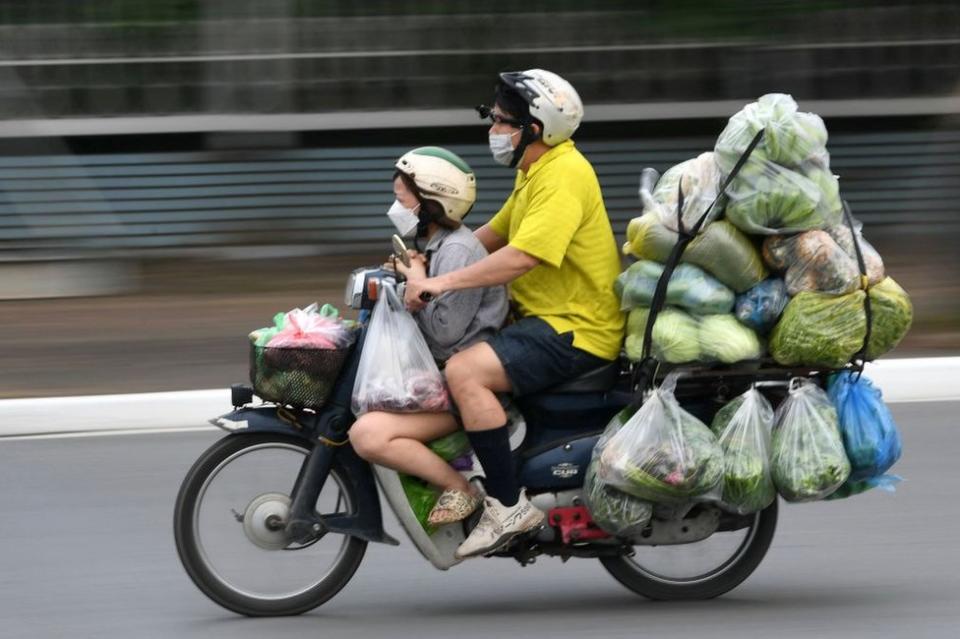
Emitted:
<point x="311" y="330"/>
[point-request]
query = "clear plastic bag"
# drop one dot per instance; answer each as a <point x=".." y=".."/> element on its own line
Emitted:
<point x="721" y="249"/>
<point x="615" y="511"/>
<point x="701" y="183"/>
<point x="680" y="338"/>
<point x="817" y="329"/>
<point x="690" y="287"/>
<point x="791" y="138"/>
<point x="743" y="428"/>
<point x="768" y="199"/>
<point x="761" y="306"/>
<point x="312" y="330"/>
<point x="809" y="462"/>
<point x="662" y="453"/>
<point x="870" y="436"/>
<point x="396" y="372"/>
<point x="812" y="261"/>
<point x="823" y="261"/>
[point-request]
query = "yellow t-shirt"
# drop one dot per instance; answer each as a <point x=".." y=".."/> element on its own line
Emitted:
<point x="556" y="214"/>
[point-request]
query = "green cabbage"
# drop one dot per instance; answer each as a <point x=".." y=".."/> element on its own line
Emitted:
<point x="724" y="339"/>
<point x="690" y="288"/>
<point x="676" y="337"/>
<point x="892" y="317"/>
<point x="720" y="248"/>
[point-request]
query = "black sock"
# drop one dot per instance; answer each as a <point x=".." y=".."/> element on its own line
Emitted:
<point x="492" y="448"/>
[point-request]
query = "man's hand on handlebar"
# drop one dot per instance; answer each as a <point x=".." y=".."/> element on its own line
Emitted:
<point x="420" y="292"/>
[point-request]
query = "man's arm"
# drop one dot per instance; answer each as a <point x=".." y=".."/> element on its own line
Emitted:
<point x="501" y="267"/>
<point x="490" y="239"/>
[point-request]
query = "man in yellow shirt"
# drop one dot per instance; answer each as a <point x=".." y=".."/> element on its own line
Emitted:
<point x="553" y="244"/>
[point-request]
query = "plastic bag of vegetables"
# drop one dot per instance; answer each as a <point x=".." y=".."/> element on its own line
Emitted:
<point x="680" y="338"/>
<point x="870" y="436"/>
<point x="817" y="329"/>
<point x="422" y="497"/>
<point x="768" y="199"/>
<point x="690" y="287"/>
<point x="844" y="237"/>
<point x="761" y="306"/>
<point x="791" y="138"/>
<point x="812" y="261"/>
<point x="720" y="248"/>
<point x="808" y="460"/>
<point x="823" y="261"/>
<point x="618" y="513"/>
<point x="701" y="184"/>
<point x="743" y="428"/>
<point x="662" y="453"/>
<point x="676" y="336"/>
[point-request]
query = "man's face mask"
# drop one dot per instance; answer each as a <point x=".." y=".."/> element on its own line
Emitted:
<point x="501" y="146"/>
<point x="404" y="219"/>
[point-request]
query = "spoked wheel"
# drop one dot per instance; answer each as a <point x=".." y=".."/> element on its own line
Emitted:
<point x="700" y="570"/>
<point x="229" y="527"/>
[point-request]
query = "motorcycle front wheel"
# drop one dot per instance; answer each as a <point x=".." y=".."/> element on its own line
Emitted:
<point x="228" y="525"/>
<point x="700" y="570"/>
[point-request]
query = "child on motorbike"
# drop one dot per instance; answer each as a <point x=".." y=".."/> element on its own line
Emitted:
<point x="434" y="190"/>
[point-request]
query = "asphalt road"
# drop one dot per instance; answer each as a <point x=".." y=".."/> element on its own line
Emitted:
<point x="86" y="550"/>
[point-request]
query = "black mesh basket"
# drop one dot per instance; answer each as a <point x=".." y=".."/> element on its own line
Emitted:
<point x="298" y="377"/>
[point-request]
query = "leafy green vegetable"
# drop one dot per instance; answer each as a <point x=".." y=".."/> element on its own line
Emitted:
<point x="824" y="330"/>
<point x="676" y="336"/>
<point x="743" y="428"/>
<point x="892" y="317"/>
<point x="618" y="513"/>
<point x="689" y="287"/>
<point x="808" y="460"/>
<point x="720" y="248"/>
<point x="451" y="446"/>
<point x="422" y="498"/>
<point x="661" y="454"/>
<point x="724" y="339"/>
<point x="771" y="199"/>
<point x="819" y="330"/>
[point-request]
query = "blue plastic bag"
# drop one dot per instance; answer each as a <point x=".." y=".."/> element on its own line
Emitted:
<point x="761" y="306"/>
<point x="870" y="436"/>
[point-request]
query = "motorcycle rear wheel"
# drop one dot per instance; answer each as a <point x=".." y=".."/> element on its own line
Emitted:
<point x="717" y="581"/>
<point x="205" y="572"/>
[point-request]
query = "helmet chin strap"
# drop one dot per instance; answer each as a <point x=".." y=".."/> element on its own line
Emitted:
<point x="527" y="135"/>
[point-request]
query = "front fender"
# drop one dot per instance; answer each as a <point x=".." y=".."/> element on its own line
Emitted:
<point x="368" y="524"/>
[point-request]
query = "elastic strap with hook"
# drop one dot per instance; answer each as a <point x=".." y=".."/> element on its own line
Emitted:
<point x="859" y="358"/>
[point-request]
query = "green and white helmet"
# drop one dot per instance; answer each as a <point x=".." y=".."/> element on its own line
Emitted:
<point x="442" y="176"/>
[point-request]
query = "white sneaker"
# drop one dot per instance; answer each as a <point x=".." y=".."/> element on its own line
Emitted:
<point x="499" y="524"/>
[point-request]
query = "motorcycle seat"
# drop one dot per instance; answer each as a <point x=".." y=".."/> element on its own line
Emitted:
<point x="598" y="380"/>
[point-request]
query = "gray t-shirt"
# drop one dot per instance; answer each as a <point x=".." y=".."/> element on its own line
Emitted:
<point x="459" y="319"/>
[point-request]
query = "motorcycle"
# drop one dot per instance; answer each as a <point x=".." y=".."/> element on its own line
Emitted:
<point x="275" y="517"/>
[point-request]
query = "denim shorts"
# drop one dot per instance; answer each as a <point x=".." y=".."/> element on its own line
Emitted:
<point x="535" y="357"/>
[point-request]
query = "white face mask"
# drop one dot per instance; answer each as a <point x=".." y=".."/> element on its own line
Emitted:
<point x="404" y="219"/>
<point x="501" y="146"/>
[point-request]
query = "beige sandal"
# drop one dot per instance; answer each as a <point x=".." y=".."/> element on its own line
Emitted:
<point x="453" y="506"/>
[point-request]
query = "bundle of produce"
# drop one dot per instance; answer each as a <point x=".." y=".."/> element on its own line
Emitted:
<point x="785" y="186"/>
<point x="680" y="338"/>
<point x="761" y="306"/>
<point x="816" y="261"/>
<point x="662" y="453"/>
<point x="396" y="371"/>
<point x="313" y="328"/>
<point x="870" y="436"/>
<point x="720" y="248"/>
<point x="700" y="179"/>
<point x="616" y="512"/>
<point x="743" y="428"/>
<point x="808" y="460"/>
<point x="689" y="287"/>
<point x="817" y="329"/>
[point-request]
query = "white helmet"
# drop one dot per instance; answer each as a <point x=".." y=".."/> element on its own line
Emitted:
<point x="552" y="100"/>
<point x="442" y="176"/>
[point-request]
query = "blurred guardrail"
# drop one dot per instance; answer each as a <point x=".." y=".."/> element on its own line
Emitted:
<point x="333" y="200"/>
<point x="61" y="58"/>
